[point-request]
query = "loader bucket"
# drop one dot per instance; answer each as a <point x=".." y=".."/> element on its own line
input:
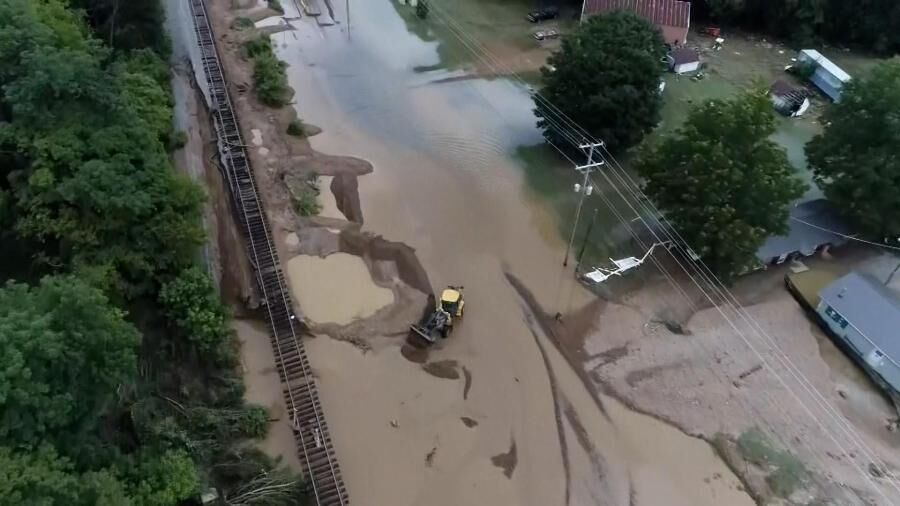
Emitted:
<point x="421" y="332"/>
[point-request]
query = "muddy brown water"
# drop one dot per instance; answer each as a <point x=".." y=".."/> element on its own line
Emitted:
<point x="335" y="289"/>
<point x="447" y="183"/>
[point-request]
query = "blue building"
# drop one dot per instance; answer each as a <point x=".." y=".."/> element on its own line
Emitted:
<point x="864" y="316"/>
<point x="827" y="76"/>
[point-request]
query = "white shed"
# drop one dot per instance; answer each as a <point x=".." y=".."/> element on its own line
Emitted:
<point x="683" y="60"/>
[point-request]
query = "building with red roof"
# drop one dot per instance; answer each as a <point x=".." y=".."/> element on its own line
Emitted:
<point x="673" y="17"/>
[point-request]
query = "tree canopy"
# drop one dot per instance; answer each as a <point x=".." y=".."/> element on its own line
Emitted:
<point x="855" y="159"/>
<point x="64" y="350"/>
<point x="101" y="401"/>
<point x="722" y="183"/>
<point x="605" y="77"/>
<point x="871" y="24"/>
<point x="82" y="167"/>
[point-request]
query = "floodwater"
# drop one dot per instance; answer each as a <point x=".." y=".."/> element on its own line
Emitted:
<point x="335" y="289"/>
<point x="450" y="181"/>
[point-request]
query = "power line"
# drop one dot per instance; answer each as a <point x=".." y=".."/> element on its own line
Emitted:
<point x="845" y="236"/>
<point x="560" y="118"/>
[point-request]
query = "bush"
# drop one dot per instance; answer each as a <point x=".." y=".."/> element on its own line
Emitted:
<point x="275" y="5"/>
<point x="422" y="9"/>
<point x="259" y="46"/>
<point x="785" y="471"/>
<point x="242" y="23"/>
<point x="268" y="72"/>
<point x="177" y="140"/>
<point x="306" y="201"/>
<point x="296" y="128"/>
<point x="271" y="81"/>
<point x="191" y="302"/>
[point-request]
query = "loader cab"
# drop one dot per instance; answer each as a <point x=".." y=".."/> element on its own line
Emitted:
<point x="451" y="302"/>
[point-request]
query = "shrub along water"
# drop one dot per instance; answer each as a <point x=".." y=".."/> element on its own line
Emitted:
<point x="269" y="75"/>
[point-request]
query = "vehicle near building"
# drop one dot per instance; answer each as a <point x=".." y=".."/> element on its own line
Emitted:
<point x="546" y="34"/>
<point x="545" y="14"/>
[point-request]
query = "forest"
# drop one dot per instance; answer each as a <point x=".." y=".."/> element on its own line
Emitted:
<point x="119" y="380"/>
<point x="870" y="25"/>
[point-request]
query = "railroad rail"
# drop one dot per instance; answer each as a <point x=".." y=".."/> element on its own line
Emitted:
<point x="311" y="435"/>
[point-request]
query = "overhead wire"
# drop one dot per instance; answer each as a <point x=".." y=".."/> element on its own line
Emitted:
<point x="578" y="136"/>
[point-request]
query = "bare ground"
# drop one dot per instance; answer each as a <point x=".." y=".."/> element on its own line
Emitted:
<point x="708" y="381"/>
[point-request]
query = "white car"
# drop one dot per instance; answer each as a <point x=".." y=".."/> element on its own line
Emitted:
<point x="546" y="34"/>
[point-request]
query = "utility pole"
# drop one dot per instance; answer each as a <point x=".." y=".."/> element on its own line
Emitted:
<point x="348" y="19"/>
<point x="587" y="235"/>
<point x="585" y="169"/>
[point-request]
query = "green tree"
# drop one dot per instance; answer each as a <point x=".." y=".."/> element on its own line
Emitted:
<point x="191" y="302"/>
<point x="855" y="159"/>
<point x="605" y="78"/>
<point x="422" y="9"/>
<point x="722" y="183"/>
<point x="128" y="24"/>
<point x="163" y="480"/>
<point x="64" y="350"/>
<point x="42" y="478"/>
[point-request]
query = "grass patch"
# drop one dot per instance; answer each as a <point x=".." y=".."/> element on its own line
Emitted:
<point x="296" y="128"/>
<point x="269" y="77"/>
<point x="785" y="471"/>
<point x="305" y="196"/>
<point x="243" y="23"/>
<point x="275" y="5"/>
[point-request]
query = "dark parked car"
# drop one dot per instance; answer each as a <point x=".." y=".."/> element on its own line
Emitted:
<point x="543" y="14"/>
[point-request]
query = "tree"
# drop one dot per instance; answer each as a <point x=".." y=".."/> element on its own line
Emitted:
<point x="64" y="350"/>
<point x="606" y="79"/>
<point x="722" y="183"/>
<point x="190" y="302"/>
<point x="163" y="480"/>
<point x="855" y="159"/>
<point x="43" y="478"/>
<point x="422" y="9"/>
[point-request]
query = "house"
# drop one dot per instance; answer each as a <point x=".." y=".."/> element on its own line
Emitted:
<point x="812" y="225"/>
<point x="788" y="100"/>
<point x="827" y="76"/>
<point x="683" y="60"/>
<point x="672" y="17"/>
<point x="864" y="317"/>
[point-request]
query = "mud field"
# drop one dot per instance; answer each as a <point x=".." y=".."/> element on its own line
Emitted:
<point x="422" y="184"/>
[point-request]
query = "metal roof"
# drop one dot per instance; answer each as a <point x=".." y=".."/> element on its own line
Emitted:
<point x="871" y="308"/>
<point x="659" y="12"/>
<point x="825" y="63"/>
<point x="683" y="55"/>
<point x="802" y="237"/>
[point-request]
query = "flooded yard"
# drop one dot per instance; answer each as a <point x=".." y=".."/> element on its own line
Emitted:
<point x="458" y="177"/>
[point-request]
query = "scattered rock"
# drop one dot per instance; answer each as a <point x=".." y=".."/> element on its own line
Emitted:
<point x="469" y="422"/>
<point x="395" y="423"/>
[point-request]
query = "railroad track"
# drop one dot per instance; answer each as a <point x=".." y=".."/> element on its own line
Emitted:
<point x="311" y="435"/>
